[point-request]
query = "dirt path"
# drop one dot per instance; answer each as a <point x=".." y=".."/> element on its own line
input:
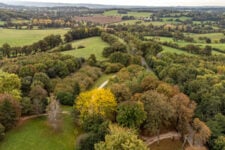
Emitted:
<point x="105" y="83"/>
<point x="168" y="135"/>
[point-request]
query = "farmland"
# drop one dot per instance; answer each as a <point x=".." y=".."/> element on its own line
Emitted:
<point x="129" y="13"/>
<point x="92" y="45"/>
<point x="98" y="19"/>
<point x="26" y="37"/>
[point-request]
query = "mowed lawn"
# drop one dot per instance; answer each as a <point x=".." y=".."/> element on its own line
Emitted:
<point x="93" y="45"/>
<point x="26" y="37"/>
<point x="35" y="134"/>
<point x="167" y="144"/>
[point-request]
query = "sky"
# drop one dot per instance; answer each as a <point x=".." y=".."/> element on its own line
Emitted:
<point x="139" y="2"/>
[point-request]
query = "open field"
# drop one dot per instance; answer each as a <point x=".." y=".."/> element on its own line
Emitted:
<point x="2" y="22"/>
<point x="140" y="22"/>
<point x="183" y="43"/>
<point x="99" y="19"/>
<point x="93" y="45"/>
<point x="167" y="145"/>
<point x="130" y="13"/>
<point x="213" y="36"/>
<point x="35" y="134"/>
<point x="25" y="37"/>
<point x="174" y="50"/>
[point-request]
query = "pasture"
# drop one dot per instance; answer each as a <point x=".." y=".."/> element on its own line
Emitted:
<point x="35" y="134"/>
<point x="129" y="13"/>
<point x="25" y="37"/>
<point x="93" y="45"/>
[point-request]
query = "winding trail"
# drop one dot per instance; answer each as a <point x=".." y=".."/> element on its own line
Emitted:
<point x="169" y="135"/>
<point x="105" y="82"/>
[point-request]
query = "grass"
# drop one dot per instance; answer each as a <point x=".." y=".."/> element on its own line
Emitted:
<point x="213" y="36"/>
<point x="167" y="144"/>
<point x="140" y="22"/>
<point x="130" y="13"/>
<point x="174" y="50"/>
<point x="25" y="37"/>
<point x="183" y="43"/>
<point x="2" y="22"/>
<point x="93" y="45"/>
<point x="35" y="134"/>
<point x="101" y="80"/>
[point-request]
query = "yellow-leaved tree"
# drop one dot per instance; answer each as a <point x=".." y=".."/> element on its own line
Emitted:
<point x="96" y="102"/>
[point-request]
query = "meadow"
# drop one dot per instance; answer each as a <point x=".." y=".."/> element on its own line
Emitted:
<point x="195" y="36"/>
<point x="26" y="37"/>
<point x="130" y="13"/>
<point x="93" y="45"/>
<point x="35" y="134"/>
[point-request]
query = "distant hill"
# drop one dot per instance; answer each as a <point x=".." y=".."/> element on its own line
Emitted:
<point x="46" y="4"/>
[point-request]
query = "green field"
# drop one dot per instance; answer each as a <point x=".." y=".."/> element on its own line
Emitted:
<point x="140" y="22"/>
<point x="167" y="145"/>
<point x="213" y="36"/>
<point x="93" y="45"/>
<point x="25" y="37"/>
<point x="174" y="50"/>
<point x="35" y="134"/>
<point x="130" y="13"/>
<point x="183" y="43"/>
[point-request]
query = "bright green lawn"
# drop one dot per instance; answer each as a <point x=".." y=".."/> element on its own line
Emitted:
<point x="130" y="13"/>
<point x="93" y="45"/>
<point x="35" y="134"/>
<point x="174" y="50"/>
<point x="212" y="36"/>
<point x="25" y="37"/>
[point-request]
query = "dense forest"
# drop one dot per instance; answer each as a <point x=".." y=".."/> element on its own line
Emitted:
<point x="123" y="82"/>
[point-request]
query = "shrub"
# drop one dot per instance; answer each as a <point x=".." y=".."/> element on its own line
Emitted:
<point x="113" y="67"/>
<point x="65" y="98"/>
<point x="80" y="46"/>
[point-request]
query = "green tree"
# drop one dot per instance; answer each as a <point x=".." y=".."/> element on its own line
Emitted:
<point x="219" y="143"/>
<point x="131" y="114"/>
<point x="121" y="139"/>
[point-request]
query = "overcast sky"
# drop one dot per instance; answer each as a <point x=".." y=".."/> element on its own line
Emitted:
<point x="139" y="2"/>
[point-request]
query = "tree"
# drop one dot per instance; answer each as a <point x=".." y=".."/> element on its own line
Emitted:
<point x="6" y="49"/>
<point x="159" y="111"/>
<point x="131" y="114"/>
<point x="184" y="111"/>
<point x="10" y="84"/>
<point x="121" y="92"/>
<point x="10" y="111"/>
<point x="201" y="132"/>
<point x="96" y="102"/>
<point x="219" y="143"/>
<point x="38" y="97"/>
<point x="121" y="139"/>
<point x="54" y="114"/>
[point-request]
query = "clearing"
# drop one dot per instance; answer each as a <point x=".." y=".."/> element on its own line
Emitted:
<point x="93" y="45"/>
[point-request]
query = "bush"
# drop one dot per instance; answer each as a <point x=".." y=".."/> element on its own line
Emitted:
<point x="80" y="46"/>
<point x="65" y="98"/>
<point x="2" y="132"/>
<point x="26" y="106"/>
<point x="9" y="111"/>
<point x="113" y="68"/>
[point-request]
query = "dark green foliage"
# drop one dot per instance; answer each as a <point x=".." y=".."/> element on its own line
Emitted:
<point x="119" y="57"/>
<point x="113" y="67"/>
<point x="9" y="111"/>
<point x="26" y="106"/>
<point x="131" y="114"/>
<point x="2" y="132"/>
<point x="65" y="98"/>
